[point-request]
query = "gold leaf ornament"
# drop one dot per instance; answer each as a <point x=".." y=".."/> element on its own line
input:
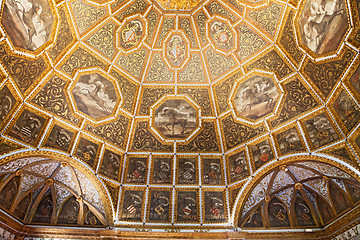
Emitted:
<point x="178" y="4"/>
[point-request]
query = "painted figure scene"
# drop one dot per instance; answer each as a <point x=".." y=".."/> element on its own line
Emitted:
<point x="175" y="118"/>
<point x="28" y="22"/>
<point x="323" y="23"/>
<point x="256" y="97"/>
<point x="95" y="96"/>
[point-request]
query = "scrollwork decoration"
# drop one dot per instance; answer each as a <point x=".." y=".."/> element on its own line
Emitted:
<point x="52" y="98"/>
<point x="114" y="132"/>
<point x="144" y="140"/>
<point x="236" y="133"/>
<point x="205" y="141"/>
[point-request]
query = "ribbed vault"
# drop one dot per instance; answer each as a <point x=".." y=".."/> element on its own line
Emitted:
<point x="48" y="191"/>
<point x="299" y="194"/>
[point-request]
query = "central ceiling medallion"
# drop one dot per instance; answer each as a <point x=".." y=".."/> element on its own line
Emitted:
<point x="175" y="117"/>
<point x="255" y="97"/>
<point x="178" y="4"/>
<point x="95" y="95"/>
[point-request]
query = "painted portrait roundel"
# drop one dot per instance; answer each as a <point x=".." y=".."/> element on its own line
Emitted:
<point x="322" y="25"/>
<point x="28" y="23"/>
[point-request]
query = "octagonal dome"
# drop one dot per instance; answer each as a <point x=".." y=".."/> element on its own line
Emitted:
<point x="179" y="109"/>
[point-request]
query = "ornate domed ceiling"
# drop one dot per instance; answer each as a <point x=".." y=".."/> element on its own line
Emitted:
<point x="180" y="115"/>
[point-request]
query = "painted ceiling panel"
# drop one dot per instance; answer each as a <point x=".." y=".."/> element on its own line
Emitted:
<point x="175" y="108"/>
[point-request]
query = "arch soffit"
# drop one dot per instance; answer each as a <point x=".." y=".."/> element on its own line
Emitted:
<point x="105" y="198"/>
<point x="266" y="169"/>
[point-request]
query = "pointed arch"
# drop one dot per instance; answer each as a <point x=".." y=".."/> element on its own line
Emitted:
<point x="299" y="176"/>
<point x="47" y="182"/>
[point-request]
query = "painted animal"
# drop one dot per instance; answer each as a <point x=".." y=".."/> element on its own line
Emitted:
<point x="26" y="11"/>
<point x="321" y="15"/>
<point x="62" y="138"/>
<point x="29" y="126"/>
<point x="256" y="98"/>
<point x="5" y="105"/>
<point x="346" y="108"/>
<point x="162" y="174"/>
<point x="290" y="142"/>
<point x="173" y="121"/>
<point x="111" y="164"/>
<point x="135" y="200"/>
<point x="322" y="26"/>
<point x="91" y="150"/>
<point x="94" y="95"/>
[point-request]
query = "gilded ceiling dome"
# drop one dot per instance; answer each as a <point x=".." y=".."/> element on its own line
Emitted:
<point x="231" y="119"/>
